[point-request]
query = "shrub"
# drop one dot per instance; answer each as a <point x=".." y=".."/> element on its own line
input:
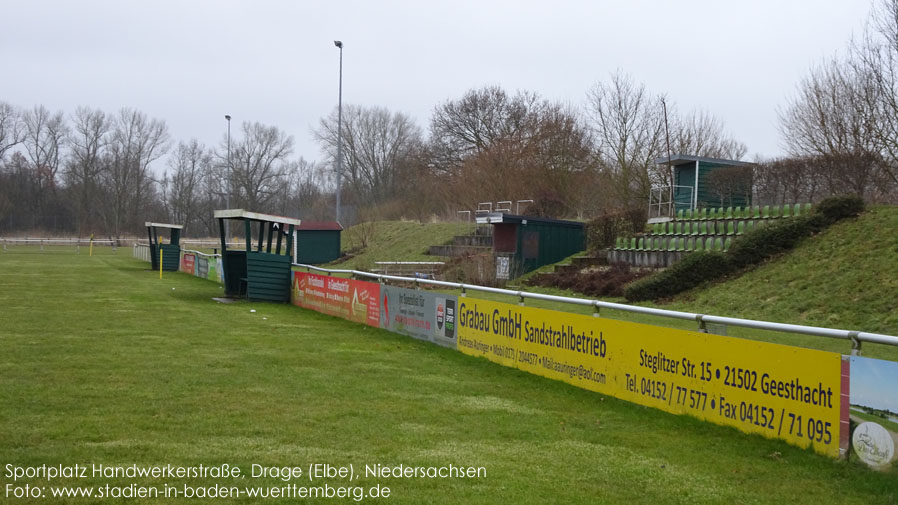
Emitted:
<point x="688" y="273"/>
<point x="602" y="231"/>
<point x="603" y="282"/>
<point x="839" y="207"/>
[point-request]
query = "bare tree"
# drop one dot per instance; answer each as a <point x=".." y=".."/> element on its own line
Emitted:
<point x="471" y="125"/>
<point x="87" y="142"/>
<point x="875" y="57"/>
<point x="188" y="165"/>
<point x="628" y="129"/>
<point x="260" y="162"/>
<point x="12" y="131"/>
<point x="832" y="119"/>
<point x="45" y="136"/>
<point x="136" y="142"/>
<point x="701" y="134"/>
<point x="378" y="147"/>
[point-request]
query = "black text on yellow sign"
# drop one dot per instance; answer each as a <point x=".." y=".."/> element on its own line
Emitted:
<point x="779" y="391"/>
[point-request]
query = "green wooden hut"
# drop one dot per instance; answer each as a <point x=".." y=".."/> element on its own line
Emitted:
<point x="260" y="270"/>
<point x="525" y="243"/>
<point x="317" y="242"/>
<point x="171" y="252"/>
<point x="691" y="186"/>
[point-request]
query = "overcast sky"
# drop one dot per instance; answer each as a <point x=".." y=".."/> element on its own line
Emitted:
<point x="273" y="61"/>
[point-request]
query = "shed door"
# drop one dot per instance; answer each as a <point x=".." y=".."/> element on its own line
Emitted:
<point x="530" y="241"/>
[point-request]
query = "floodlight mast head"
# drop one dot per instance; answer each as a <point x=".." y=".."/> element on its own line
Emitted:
<point x="338" y="43"/>
<point x="228" y="117"/>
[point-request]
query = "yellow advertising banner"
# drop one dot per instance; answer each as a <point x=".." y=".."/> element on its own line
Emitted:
<point x="779" y="391"/>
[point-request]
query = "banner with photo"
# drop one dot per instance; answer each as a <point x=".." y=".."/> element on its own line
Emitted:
<point x="873" y="411"/>
<point x="421" y="314"/>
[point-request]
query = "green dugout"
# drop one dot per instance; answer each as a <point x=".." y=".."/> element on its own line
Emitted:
<point x="171" y="252"/>
<point x="261" y="269"/>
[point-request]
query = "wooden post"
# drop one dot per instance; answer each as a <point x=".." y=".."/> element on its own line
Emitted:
<point x="280" y="237"/>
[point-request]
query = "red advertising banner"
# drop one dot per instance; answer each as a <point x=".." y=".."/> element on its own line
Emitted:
<point x="188" y="263"/>
<point x="350" y="299"/>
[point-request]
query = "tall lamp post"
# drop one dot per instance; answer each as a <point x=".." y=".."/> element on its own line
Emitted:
<point x="228" y="188"/>
<point x="339" y="44"/>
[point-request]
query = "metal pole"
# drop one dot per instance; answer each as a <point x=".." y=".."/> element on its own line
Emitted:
<point x="339" y="44"/>
<point x="228" y="190"/>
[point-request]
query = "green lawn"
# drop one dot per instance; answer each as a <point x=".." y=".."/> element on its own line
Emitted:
<point x="103" y="362"/>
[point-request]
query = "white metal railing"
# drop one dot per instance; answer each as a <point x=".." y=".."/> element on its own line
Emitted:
<point x="856" y="337"/>
<point x="141" y="252"/>
<point x="206" y="255"/>
<point x="60" y="241"/>
<point x="662" y="200"/>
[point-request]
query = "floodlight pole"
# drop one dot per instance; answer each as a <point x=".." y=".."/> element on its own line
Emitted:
<point x="228" y="190"/>
<point x="339" y="44"/>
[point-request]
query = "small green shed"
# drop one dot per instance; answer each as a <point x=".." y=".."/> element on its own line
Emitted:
<point x="171" y="252"/>
<point x="317" y="242"/>
<point x="260" y="271"/>
<point x="691" y="172"/>
<point x="525" y="243"/>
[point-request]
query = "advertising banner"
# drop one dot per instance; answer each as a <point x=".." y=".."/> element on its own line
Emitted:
<point x="215" y="270"/>
<point x="188" y="260"/>
<point x="873" y="411"/>
<point x="779" y="391"/>
<point x="201" y="267"/>
<point x="421" y="314"/>
<point x="347" y="298"/>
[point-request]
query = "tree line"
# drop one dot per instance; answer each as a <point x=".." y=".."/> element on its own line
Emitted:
<point x="97" y="172"/>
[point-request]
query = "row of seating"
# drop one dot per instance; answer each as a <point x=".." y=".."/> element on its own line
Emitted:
<point x="705" y="227"/>
<point x="756" y="212"/>
<point x="686" y="244"/>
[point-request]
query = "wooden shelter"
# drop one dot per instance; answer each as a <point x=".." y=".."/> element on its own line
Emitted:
<point x="261" y="270"/>
<point x="171" y="252"/>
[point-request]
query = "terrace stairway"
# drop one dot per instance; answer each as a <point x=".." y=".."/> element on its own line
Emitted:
<point x="712" y="229"/>
<point x="478" y="242"/>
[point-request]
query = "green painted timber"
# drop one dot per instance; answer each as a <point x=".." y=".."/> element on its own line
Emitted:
<point x="268" y="276"/>
<point x="171" y="257"/>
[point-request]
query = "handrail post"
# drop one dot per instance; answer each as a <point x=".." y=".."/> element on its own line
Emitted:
<point x="702" y="327"/>
<point x="855" y="343"/>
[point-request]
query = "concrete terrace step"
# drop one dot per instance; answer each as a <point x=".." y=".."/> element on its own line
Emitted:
<point x="473" y="240"/>
<point x="458" y="250"/>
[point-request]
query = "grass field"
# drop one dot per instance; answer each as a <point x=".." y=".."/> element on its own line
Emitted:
<point x="104" y="363"/>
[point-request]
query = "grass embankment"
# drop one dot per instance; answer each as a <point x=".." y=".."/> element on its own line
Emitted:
<point x="104" y="363"/>
<point x="845" y="277"/>
<point x="395" y="241"/>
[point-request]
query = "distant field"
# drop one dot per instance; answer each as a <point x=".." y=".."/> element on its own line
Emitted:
<point x="103" y="362"/>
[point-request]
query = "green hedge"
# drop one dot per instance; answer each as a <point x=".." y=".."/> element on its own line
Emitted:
<point x="752" y="248"/>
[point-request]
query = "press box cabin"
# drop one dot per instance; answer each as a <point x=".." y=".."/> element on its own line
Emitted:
<point x="693" y="188"/>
